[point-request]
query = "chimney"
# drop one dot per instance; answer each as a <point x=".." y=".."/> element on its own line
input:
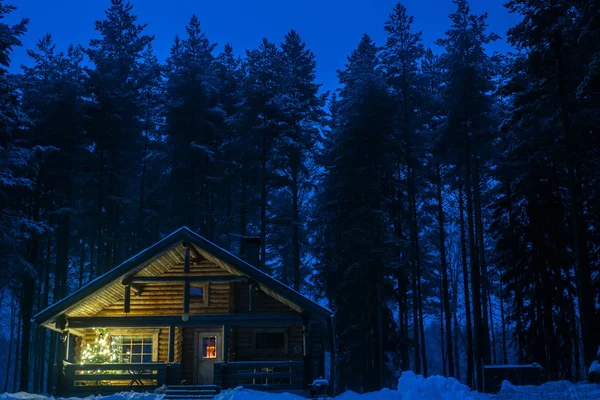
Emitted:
<point x="251" y="250"/>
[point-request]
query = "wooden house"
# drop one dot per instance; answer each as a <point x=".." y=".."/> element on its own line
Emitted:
<point x="185" y="311"/>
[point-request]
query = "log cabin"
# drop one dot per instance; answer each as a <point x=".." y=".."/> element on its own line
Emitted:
<point x="187" y="312"/>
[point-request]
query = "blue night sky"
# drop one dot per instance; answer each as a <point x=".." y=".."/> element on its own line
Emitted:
<point x="331" y="28"/>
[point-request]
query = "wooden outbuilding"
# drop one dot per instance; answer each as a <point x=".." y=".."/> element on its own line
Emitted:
<point x="187" y="312"/>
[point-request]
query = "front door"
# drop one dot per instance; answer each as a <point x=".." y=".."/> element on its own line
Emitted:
<point x="208" y="351"/>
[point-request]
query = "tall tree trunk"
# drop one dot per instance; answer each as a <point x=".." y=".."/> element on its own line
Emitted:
<point x="491" y="325"/>
<point x="263" y="204"/>
<point x="81" y="263"/>
<point x="456" y="327"/>
<point x="475" y="272"/>
<point x="503" y="321"/>
<point x="442" y="336"/>
<point x="518" y="296"/>
<point x="244" y="207"/>
<point x="142" y="204"/>
<point x="480" y="243"/>
<point x="27" y="291"/>
<point x="444" y="265"/>
<point x="13" y="313"/>
<point x="50" y="380"/>
<point x="578" y="225"/>
<point x="463" y="245"/>
<point x="295" y="224"/>
<point x="17" y="354"/>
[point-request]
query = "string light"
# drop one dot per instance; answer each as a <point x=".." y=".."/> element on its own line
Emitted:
<point x="103" y="350"/>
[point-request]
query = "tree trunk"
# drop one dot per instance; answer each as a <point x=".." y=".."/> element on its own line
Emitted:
<point x="578" y="225"/>
<point x="475" y="272"/>
<point x="13" y="313"/>
<point x="263" y="204"/>
<point x="442" y="336"/>
<point x="17" y="355"/>
<point x="463" y="245"/>
<point x="444" y="265"/>
<point x="480" y="243"/>
<point x="51" y="361"/>
<point x="503" y="321"/>
<point x="142" y="204"/>
<point x="295" y="224"/>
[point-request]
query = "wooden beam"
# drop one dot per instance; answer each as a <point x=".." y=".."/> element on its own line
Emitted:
<point x="186" y="297"/>
<point x="251" y="293"/>
<point x="127" y="300"/>
<point x="186" y="262"/>
<point x="137" y="288"/>
<point x="244" y="319"/>
<point x="171" y="344"/>
<point x="180" y="278"/>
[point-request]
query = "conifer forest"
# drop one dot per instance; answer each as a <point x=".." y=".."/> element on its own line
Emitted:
<point x="443" y="202"/>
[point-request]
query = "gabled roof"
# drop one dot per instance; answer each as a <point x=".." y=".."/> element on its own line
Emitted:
<point x="146" y="257"/>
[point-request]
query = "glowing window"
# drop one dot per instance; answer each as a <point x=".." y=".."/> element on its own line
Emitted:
<point x="209" y="347"/>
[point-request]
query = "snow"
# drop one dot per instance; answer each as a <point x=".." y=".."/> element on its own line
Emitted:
<point x="410" y="387"/>
<point x="595" y="367"/>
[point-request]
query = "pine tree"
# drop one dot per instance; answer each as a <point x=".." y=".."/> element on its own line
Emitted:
<point x="352" y="209"/>
<point x="192" y="139"/>
<point x="114" y="126"/>
<point x="401" y="55"/>
<point x="468" y="128"/>
<point x="301" y="109"/>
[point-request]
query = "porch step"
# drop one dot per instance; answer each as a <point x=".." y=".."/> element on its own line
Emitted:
<point x="191" y="392"/>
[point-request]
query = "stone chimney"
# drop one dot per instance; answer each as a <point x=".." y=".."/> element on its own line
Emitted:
<point x="252" y="251"/>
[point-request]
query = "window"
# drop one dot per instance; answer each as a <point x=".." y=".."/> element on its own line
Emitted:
<point x="134" y="349"/>
<point x="209" y="347"/>
<point x="199" y="294"/>
<point x="272" y="340"/>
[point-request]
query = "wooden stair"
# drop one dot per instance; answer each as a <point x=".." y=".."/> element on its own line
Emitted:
<point x="191" y="392"/>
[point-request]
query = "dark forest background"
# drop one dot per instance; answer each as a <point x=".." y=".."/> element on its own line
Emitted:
<point x="445" y="204"/>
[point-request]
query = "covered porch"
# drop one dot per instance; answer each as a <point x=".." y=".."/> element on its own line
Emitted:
<point x="224" y="350"/>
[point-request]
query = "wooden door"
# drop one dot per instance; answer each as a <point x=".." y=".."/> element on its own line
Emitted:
<point x="209" y="348"/>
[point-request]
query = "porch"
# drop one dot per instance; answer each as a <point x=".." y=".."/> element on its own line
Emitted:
<point x="103" y="379"/>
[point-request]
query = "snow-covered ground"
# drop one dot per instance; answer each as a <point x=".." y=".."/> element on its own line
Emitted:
<point x="410" y="387"/>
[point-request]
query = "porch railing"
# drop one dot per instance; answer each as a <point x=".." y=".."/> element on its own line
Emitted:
<point x="265" y="375"/>
<point x="112" y="378"/>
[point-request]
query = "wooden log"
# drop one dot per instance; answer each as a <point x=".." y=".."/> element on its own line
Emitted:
<point x="183" y="278"/>
<point x="195" y="320"/>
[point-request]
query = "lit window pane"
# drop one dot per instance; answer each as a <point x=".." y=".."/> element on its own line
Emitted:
<point x="209" y="347"/>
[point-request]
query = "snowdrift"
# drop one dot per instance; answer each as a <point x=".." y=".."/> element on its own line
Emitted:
<point x="410" y="387"/>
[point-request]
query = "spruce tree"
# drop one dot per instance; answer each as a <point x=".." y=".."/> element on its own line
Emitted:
<point x="469" y="124"/>
<point x="354" y="252"/>
<point x="114" y="126"/>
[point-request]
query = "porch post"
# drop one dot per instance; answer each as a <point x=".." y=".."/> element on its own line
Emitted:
<point x="225" y="343"/>
<point x="171" y="344"/>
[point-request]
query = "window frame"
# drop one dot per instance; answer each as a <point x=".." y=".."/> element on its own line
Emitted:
<point x="153" y="333"/>
<point x="277" y="350"/>
<point x="205" y="294"/>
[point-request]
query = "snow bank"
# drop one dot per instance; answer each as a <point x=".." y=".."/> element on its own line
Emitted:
<point x="246" y="394"/>
<point x="117" y="396"/>
<point x="410" y="387"/>
<point x="561" y="390"/>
